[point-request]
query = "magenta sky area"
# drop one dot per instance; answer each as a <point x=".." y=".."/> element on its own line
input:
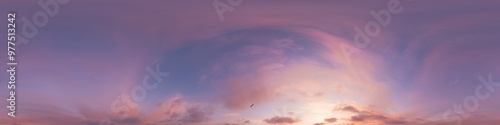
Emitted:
<point x="254" y="62"/>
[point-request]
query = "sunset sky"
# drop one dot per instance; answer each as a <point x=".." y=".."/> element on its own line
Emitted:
<point x="259" y="62"/>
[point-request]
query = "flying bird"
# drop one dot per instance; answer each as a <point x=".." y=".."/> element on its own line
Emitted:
<point x="251" y="105"/>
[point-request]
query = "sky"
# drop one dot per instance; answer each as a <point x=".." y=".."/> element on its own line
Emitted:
<point x="254" y="62"/>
